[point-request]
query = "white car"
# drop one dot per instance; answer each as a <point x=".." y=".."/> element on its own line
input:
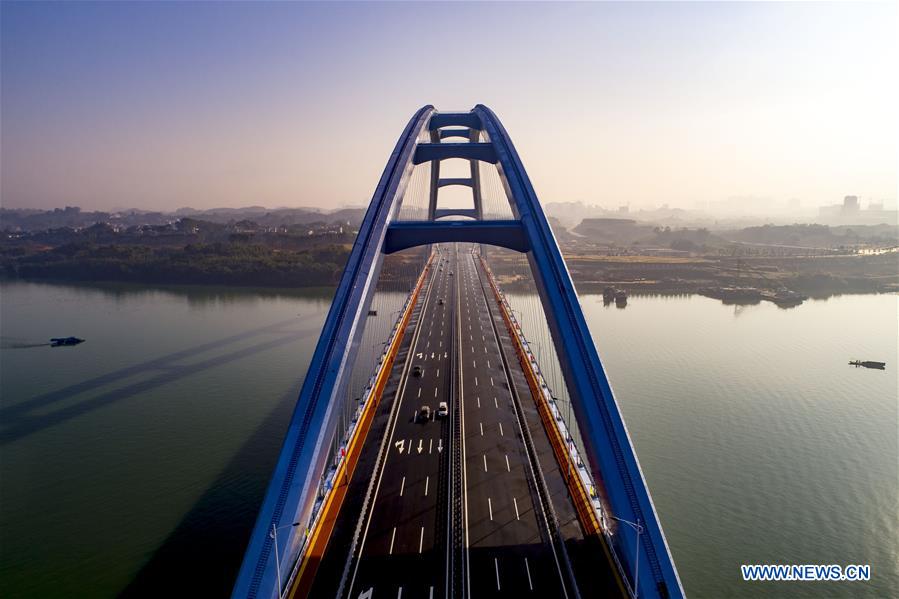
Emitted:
<point x="442" y="410"/>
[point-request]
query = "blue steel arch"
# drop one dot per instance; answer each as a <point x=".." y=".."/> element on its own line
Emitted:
<point x="303" y="458"/>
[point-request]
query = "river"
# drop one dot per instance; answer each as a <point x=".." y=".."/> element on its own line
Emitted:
<point x="139" y="457"/>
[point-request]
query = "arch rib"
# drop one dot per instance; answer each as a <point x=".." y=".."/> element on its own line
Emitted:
<point x="292" y="489"/>
<point x="613" y="460"/>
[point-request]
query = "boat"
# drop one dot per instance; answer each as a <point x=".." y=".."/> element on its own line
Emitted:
<point x="63" y="341"/>
<point x="734" y="295"/>
<point x="608" y="294"/>
<point x="869" y="364"/>
<point x="621" y="298"/>
<point x="786" y="298"/>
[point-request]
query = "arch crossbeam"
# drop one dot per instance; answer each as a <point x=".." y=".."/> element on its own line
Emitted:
<point x="503" y="233"/>
<point x="445" y="151"/>
<point x="465" y="182"/>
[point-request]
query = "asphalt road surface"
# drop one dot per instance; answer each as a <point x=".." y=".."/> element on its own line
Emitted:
<point x="405" y="538"/>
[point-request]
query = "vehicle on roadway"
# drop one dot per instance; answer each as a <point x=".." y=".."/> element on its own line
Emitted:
<point x="440" y="301"/>
<point x="451" y="273"/>
<point x="424" y="414"/>
<point x="416" y="370"/>
<point x="442" y="410"/>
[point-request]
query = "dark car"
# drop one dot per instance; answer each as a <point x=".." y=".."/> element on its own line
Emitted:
<point x="416" y="370"/>
<point x="424" y="414"/>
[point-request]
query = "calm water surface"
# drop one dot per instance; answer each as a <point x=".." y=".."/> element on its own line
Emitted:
<point x="139" y="457"/>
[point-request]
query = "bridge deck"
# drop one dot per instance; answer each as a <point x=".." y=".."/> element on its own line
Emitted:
<point x="521" y="535"/>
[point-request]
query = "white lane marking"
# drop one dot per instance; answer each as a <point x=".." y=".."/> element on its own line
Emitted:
<point x="402" y="486"/>
<point x="441" y="344"/>
<point x="475" y="381"/>
<point x="501" y="430"/>
<point x="491" y="381"/>
<point x="419" y="391"/>
<point x="530" y="584"/>
<point x="490" y="507"/>
<point x="507" y="464"/>
<point x="495" y="403"/>
<point x="430" y="445"/>
<point x="481" y="424"/>
<point x="479" y="401"/>
<point x="471" y="337"/>
<point x="488" y="363"/>
<point x="474" y="364"/>
<point x="438" y="373"/>
<point x="392" y="537"/>
<point x="399" y="593"/>
<point x="427" y="480"/>
<point x="435" y="391"/>
<point x="517" y="516"/>
<point x="485" y="462"/>
<point x="496" y="564"/>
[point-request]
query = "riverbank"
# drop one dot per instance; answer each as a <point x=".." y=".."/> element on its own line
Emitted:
<point x="784" y="280"/>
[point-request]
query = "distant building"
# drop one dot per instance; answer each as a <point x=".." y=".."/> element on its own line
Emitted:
<point x="850" y="213"/>
<point x="850" y="204"/>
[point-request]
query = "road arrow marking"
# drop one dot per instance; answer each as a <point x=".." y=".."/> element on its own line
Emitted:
<point x="440" y="445"/>
<point x="420" y="446"/>
<point x="400" y="445"/>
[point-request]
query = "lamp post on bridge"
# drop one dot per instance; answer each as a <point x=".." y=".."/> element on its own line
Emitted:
<point x="273" y="535"/>
<point x="638" y="528"/>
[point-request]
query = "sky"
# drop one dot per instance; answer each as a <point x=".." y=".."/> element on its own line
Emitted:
<point x="163" y="105"/>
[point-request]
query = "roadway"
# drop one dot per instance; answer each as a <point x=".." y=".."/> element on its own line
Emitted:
<point x="510" y="551"/>
<point x="405" y="538"/>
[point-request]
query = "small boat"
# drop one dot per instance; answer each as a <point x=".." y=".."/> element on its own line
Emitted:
<point x="63" y="341"/>
<point x="869" y="364"/>
<point x="620" y="298"/>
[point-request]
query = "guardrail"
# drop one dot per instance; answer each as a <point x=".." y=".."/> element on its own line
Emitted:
<point x="581" y="486"/>
<point x="332" y="493"/>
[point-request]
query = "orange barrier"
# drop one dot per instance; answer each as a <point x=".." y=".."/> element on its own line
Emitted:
<point x="579" y="495"/>
<point x="321" y="533"/>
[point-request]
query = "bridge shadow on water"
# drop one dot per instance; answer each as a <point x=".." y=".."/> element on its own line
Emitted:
<point x="201" y="556"/>
<point x="23" y="419"/>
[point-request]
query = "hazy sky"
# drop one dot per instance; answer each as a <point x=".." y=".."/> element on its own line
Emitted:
<point x="163" y="105"/>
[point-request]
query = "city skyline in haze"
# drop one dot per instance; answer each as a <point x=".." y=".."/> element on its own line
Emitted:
<point x="159" y="106"/>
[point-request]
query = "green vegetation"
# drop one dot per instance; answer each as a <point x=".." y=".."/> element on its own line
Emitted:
<point x="216" y="263"/>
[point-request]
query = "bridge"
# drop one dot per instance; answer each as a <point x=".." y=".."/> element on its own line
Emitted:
<point x="452" y="439"/>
